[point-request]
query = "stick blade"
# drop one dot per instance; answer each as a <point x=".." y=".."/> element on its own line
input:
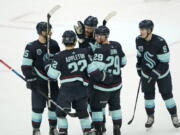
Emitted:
<point x="110" y="15"/>
<point x="130" y="122"/>
<point x="53" y="10"/>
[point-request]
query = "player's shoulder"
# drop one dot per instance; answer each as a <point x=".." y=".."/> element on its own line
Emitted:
<point x="53" y="42"/>
<point x="32" y="44"/>
<point x="158" y="38"/>
<point x="160" y="41"/>
<point x="115" y="44"/>
<point x="139" y="39"/>
<point x="58" y="55"/>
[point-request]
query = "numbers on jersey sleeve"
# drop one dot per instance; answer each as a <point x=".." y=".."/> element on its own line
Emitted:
<point x="54" y="64"/>
<point x="75" y="66"/>
<point x="115" y="62"/>
<point x="98" y="57"/>
<point x="26" y="53"/>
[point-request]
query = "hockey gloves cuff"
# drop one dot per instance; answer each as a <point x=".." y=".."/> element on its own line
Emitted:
<point x="139" y="71"/>
<point x="154" y="74"/>
<point x="107" y="78"/>
<point x="31" y="83"/>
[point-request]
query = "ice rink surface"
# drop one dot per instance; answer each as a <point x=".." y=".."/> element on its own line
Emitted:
<point x="18" y="19"/>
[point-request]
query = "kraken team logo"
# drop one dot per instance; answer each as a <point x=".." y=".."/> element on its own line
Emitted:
<point x="39" y="51"/>
<point x="150" y="62"/>
<point x="45" y="57"/>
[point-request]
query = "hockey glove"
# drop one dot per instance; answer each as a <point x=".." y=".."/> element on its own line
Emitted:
<point x="31" y="83"/>
<point x="101" y="76"/>
<point x="154" y="74"/>
<point x="138" y="67"/>
<point x="80" y="30"/>
<point x="107" y="78"/>
<point x="139" y="72"/>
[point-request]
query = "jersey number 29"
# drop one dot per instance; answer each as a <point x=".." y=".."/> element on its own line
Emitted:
<point x="113" y="61"/>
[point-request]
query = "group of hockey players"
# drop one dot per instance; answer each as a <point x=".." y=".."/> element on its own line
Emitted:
<point x="90" y="76"/>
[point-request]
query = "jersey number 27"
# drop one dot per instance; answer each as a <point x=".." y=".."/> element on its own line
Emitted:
<point x="75" y="66"/>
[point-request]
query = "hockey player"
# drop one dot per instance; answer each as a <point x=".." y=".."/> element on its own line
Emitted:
<point x="109" y="59"/>
<point x="153" y="67"/>
<point x="71" y="66"/>
<point x="32" y="67"/>
<point x="85" y="33"/>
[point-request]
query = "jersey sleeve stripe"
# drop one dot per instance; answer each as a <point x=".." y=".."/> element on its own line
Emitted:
<point x="164" y="57"/>
<point x="95" y="65"/>
<point x="124" y="61"/>
<point x="27" y="62"/>
<point x="53" y="73"/>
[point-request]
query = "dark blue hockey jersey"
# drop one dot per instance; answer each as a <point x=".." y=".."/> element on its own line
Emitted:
<point x="34" y="57"/>
<point x="108" y="58"/>
<point x="70" y="66"/>
<point x="153" y="56"/>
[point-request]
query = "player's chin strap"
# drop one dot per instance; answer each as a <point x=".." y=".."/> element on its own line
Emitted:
<point x="40" y="92"/>
<point x="148" y="33"/>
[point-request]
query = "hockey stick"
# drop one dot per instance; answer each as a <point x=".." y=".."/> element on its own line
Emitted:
<point x="135" y="103"/>
<point x="108" y="17"/>
<point x="40" y="92"/>
<point x="49" y="14"/>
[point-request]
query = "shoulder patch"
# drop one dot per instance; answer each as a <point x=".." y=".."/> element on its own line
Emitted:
<point x="39" y="51"/>
<point x="141" y="48"/>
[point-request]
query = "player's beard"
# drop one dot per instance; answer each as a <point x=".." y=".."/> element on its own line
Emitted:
<point x="46" y="37"/>
<point x="88" y="34"/>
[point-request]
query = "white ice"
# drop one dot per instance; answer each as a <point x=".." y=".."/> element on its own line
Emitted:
<point x="18" y="19"/>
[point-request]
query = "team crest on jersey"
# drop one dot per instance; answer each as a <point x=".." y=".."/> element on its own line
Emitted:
<point x="39" y="51"/>
<point x="45" y="57"/>
<point x="149" y="59"/>
<point x="141" y="48"/>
